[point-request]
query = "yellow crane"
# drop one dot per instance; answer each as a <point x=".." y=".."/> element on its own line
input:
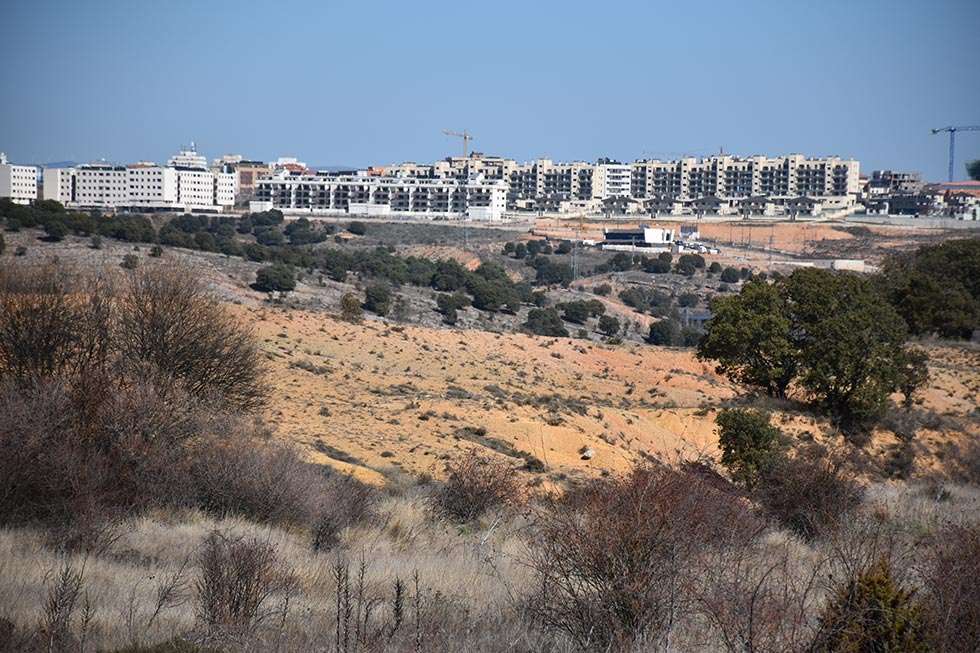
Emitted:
<point x="465" y="135"/>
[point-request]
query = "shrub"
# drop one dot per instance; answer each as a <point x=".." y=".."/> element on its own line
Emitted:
<point x="611" y="556"/>
<point x="603" y="289"/>
<point x="357" y="228"/>
<point x="3" y="244"/>
<point x="749" y="443"/>
<point x="377" y="298"/>
<point x="665" y="333"/>
<point x="545" y="322"/>
<point x="238" y="578"/>
<point x="130" y="262"/>
<point x="577" y="311"/>
<point x="173" y="323"/>
<point x="156" y="251"/>
<point x="275" y="278"/>
<point x="808" y="496"/>
<point x="346" y="503"/>
<point x="564" y="247"/>
<point x="730" y="275"/>
<point x="950" y="590"/>
<point x="475" y="485"/>
<point x="608" y="325"/>
<point x="350" y="308"/>
<point x="872" y="612"/>
<point x="714" y="268"/>
<point x="688" y="299"/>
<point x="95" y="242"/>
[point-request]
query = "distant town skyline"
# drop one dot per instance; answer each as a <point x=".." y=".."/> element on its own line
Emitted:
<point x="342" y="83"/>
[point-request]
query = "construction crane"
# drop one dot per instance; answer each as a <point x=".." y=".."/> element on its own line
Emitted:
<point x="465" y="135"/>
<point x="952" y="141"/>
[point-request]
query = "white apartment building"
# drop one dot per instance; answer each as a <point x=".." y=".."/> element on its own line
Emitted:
<point x="371" y="194"/>
<point x="611" y="180"/>
<point x="179" y="186"/>
<point x="17" y="183"/>
<point x="734" y="177"/>
<point x="668" y="186"/>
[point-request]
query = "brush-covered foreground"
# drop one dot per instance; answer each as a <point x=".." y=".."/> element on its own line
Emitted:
<point x="477" y="585"/>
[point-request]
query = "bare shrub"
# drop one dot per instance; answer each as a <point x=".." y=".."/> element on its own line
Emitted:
<point x="758" y="598"/>
<point x="60" y="322"/>
<point x="613" y="557"/>
<point x="967" y="461"/>
<point x="950" y="573"/>
<point x="169" y="320"/>
<point x="53" y="322"/>
<point x="238" y="578"/>
<point x="476" y="484"/>
<point x="114" y="396"/>
<point x="66" y="595"/>
<point x="267" y="481"/>
<point x="808" y="496"/>
<point x="346" y="502"/>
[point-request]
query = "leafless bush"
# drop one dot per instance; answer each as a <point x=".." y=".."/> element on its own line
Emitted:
<point x="950" y="571"/>
<point x="54" y="322"/>
<point x="967" y="463"/>
<point x="474" y="485"/>
<point x="238" y="578"/>
<point x="60" y="322"/>
<point x="808" y="496"/>
<point x="58" y="622"/>
<point x="759" y="598"/>
<point x="116" y="396"/>
<point x="613" y="557"/>
<point x="346" y="502"/>
<point x="265" y="480"/>
<point x="169" y="320"/>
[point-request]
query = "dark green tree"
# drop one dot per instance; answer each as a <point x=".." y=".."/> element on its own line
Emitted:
<point x="577" y="311"/>
<point x="749" y="443"/>
<point x="377" y="298"/>
<point x="749" y="337"/>
<point x="545" y="322"/>
<point x="850" y="342"/>
<point x="665" y="333"/>
<point x="973" y="169"/>
<point x="275" y="278"/>
<point x="730" y="275"/>
<point x="608" y="325"/>
<point x="55" y="230"/>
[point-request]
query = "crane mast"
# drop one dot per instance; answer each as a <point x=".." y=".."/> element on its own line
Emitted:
<point x="952" y="142"/>
<point x="464" y="135"/>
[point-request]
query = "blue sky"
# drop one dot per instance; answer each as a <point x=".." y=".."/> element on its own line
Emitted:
<point x="376" y="82"/>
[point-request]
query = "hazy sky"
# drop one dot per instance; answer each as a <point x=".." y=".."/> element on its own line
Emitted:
<point x="376" y="82"/>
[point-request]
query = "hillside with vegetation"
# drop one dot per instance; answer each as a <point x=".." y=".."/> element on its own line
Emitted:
<point x="257" y="434"/>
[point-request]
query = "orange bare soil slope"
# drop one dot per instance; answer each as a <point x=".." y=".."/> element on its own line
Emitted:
<point x="375" y="397"/>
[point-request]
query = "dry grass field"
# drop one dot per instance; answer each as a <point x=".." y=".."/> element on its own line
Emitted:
<point x="376" y="397"/>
